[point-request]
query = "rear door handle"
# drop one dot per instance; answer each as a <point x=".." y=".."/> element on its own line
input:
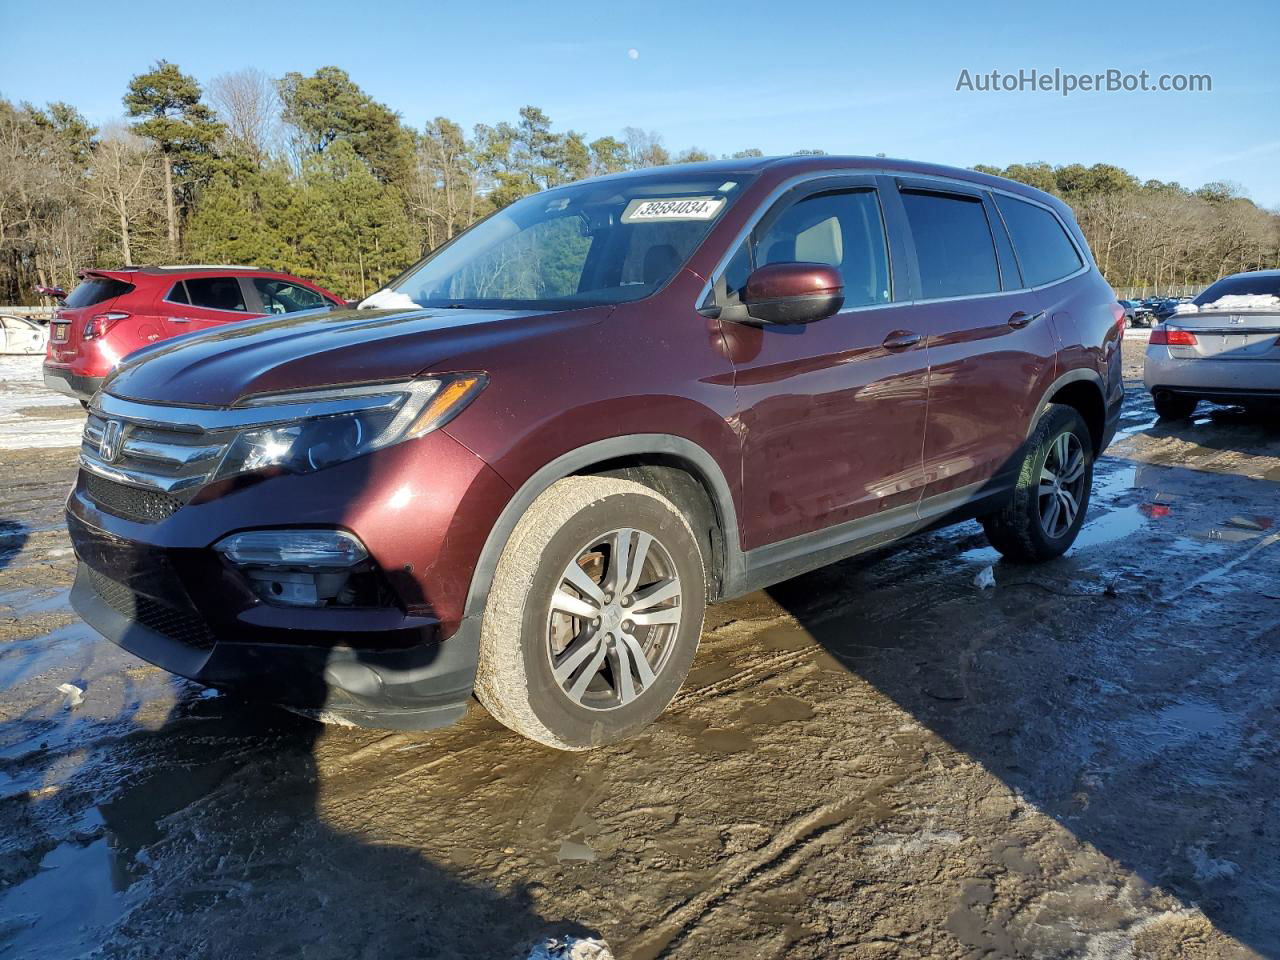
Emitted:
<point x="188" y="319"/>
<point x="1021" y="318"/>
<point x="901" y="340"/>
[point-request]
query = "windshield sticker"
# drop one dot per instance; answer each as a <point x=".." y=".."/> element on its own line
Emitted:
<point x="676" y="208"/>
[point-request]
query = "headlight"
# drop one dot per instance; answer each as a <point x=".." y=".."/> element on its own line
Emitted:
<point x="315" y="429"/>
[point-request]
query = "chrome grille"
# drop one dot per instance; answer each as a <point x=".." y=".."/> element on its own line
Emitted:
<point x="155" y="466"/>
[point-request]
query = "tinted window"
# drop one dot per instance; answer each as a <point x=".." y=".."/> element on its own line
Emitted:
<point x="96" y="290"/>
<point x="215" y="293"/>
<point x="178" y="294"/>
<point x="1044" y="250"/>
<point x="953" y="245"/>
<point x="843" y="230"/>
<point x="280" y="296"/>
<point x="1244" y="285"/>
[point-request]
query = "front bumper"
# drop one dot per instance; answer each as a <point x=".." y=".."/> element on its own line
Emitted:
<point x="420" y="687"/>
<point x="156" y="588"/>
<point x="72" y="384"/>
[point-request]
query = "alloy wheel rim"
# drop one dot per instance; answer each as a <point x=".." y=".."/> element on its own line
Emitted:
<point x="1062" y="480"/>
<point x="615" y="614"/>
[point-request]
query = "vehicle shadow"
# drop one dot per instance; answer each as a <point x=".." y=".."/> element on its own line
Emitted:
<point x="1135" y="721"/>
<point x="205" y="837"/>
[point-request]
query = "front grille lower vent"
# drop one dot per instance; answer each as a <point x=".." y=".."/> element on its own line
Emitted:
<point x="186" y="628"/>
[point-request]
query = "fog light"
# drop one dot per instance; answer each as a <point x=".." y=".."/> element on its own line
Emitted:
<point x="293" y="549"/>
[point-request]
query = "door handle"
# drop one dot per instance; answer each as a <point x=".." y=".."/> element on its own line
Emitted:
<point x="901" y="340"/>
<point x="188" y="319"/>
<point x="1021" y="318"/>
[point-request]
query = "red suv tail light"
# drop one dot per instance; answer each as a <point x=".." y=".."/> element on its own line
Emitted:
<point x="1162" y="336"/>
<point x="1117" y="311"/>
<point x="99" y="325"/>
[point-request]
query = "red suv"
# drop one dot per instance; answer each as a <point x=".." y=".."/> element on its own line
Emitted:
<point x="525" y="467"/>
<point x="115" y="312"/>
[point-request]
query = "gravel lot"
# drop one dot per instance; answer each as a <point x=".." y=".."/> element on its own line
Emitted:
<point x="875" y="760"/>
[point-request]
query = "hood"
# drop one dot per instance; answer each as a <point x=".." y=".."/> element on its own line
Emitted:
<point x="319" y="349"/>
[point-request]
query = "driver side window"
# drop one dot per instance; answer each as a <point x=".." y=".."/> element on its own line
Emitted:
<point x="842" y="229"/>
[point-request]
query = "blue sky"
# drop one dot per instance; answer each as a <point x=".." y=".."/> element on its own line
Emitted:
<point x="841" y="76"/>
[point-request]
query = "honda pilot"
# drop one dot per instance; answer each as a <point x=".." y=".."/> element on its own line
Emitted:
<point x="523" y="469"/>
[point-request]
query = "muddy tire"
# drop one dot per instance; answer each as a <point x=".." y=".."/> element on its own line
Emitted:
<point x="594" y="614"/>
<point x="1174" y="406"/>
<point x="1051" y="496"/>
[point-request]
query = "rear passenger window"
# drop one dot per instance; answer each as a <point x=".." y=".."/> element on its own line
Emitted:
<point x="1044" y="250"/>
<point x="841" y="229"/>
<point x="954" y="249"/>
<point x="215" y="293"/>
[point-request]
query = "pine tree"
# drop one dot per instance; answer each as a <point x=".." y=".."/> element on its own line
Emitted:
<point x="167" y="104"/>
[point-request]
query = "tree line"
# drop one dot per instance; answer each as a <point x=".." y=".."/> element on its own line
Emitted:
<point x="310" y="174"/>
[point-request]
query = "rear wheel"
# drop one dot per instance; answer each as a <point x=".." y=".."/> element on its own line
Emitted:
<point x="593" y="616"/>
<point x="1174" y="406"/>
<point x="1049" y="501"/>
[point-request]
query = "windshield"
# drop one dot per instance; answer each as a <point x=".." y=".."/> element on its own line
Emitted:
<point x="586" y="244"/>
<point x="1241" y="285"/>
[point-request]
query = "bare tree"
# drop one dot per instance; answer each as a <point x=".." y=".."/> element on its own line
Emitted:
<point x="247" y="102"/>
<point x="126" y="183"/>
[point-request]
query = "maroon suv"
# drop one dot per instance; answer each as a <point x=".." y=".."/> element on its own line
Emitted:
<point x="525" y="467"/>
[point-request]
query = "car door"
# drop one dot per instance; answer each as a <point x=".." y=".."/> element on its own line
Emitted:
<point x="831" y="414"/>
<point x="271" y="295"/>
<point x="204" y="302"/>
<point x="991" y="346"/>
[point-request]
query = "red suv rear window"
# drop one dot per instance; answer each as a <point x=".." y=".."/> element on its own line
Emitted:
<point x="96" y="290"/>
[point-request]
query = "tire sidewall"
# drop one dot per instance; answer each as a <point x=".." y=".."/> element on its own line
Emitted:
<point x="579" y="726"/>
<point x="1058" y="421"/>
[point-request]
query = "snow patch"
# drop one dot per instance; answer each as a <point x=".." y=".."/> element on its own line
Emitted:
<point x="387" y="299"/>
<point x="1210" y="868"/>
<point x="22" y="388"/>
<point x="986" y="578"/>
<point x="1232" y="302"/>
<point x="571" y="948"/>
<point x="74" y="694"/>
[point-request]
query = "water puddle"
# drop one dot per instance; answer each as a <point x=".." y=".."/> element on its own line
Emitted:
<point x="31" y="601"/>
<point x="79" y="892"/>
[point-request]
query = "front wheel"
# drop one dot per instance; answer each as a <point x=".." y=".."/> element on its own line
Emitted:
<point x="1051" y="495"/>
<point x="594" y="614"/>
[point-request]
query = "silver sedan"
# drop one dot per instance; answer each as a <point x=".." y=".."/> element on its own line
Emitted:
<point x="1224" y="347"/>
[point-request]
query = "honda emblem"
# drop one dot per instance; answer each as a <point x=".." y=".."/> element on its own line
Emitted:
<point x="109" y="445"/>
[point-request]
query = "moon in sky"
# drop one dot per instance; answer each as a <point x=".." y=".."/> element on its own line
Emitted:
<point x="633" y="53"/>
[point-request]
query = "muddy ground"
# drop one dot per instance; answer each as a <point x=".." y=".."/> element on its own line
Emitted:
<point x="875" y="760"/>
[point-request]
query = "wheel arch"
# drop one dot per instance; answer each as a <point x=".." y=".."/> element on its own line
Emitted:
<point x="675" y="466"/>
<point x="1083" y="391"/>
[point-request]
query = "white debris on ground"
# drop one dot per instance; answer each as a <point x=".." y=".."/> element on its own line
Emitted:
<point x="1235" y="301"/>
<point x="74" y="694"/>
<point x="22" y="389"/>
<point x="986" y="578"/>
<point x="571" y="948"/>
<point x="388" y="300"/>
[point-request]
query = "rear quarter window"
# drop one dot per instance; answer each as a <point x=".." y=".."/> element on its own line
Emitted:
<point x="97" y="290"/>
<point x="1045" y="252"/>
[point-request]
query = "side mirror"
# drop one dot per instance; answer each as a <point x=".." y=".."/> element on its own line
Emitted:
<point x="787" y="293"/>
